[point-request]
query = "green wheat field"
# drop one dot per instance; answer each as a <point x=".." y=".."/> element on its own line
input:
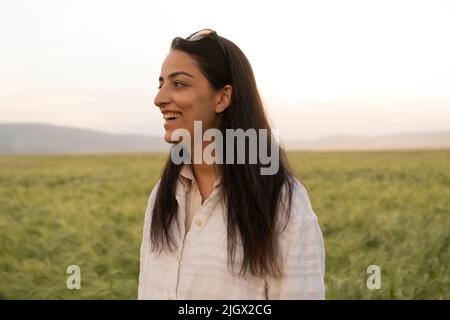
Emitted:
<point x="390" y="209"/>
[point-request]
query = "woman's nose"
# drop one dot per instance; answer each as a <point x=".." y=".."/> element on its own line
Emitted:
<point x="162" y="98"/>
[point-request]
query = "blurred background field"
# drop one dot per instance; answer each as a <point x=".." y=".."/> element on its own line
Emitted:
<point x="390" y="209"/>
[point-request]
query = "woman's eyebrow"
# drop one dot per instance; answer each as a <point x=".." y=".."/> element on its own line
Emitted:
<point x="177" y="73"/>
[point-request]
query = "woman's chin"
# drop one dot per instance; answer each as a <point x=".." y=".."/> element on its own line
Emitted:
<point x="168" y="138"/>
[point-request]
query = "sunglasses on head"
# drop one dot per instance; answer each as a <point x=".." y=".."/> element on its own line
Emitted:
<point x="204" y="33"/>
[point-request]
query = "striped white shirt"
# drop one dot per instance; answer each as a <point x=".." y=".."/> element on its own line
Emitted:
<point x="198" y="268"/>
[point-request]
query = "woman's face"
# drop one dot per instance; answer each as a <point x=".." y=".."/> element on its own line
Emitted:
<point x="185" y="96"/>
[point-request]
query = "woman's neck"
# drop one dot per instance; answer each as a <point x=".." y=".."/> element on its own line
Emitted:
<point x="205" y="171"/>
<point x="205" y="176"/>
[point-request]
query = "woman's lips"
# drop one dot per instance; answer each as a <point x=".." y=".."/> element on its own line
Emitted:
<point x="170" y="122"/>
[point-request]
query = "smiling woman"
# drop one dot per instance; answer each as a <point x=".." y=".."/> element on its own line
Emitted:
<point x="192" y="94"/>
<point x="264" y="225"/>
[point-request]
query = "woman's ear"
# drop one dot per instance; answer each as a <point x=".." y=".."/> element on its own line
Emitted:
<point x="224" y="98"/>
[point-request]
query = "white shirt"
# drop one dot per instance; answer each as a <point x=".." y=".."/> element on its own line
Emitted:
<point x="198" y="268"/>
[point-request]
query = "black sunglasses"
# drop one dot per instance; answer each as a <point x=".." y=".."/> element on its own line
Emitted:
<point x="206" y="33"/>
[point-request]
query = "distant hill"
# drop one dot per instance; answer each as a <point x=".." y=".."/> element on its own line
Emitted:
<point x="40" y="138"/>
<point x="401" y="141"/>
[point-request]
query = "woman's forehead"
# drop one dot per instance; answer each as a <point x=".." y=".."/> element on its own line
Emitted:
<point x="177" y="60"/>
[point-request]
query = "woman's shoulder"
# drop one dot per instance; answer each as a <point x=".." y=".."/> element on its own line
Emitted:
<point x="151" y="200"/>
<point x="300" y="194"/>
<point x="152" y="197"/>
<point x="301" y="212"/>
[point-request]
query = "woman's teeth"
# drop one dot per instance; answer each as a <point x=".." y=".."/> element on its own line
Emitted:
<point x="171" y="115"/>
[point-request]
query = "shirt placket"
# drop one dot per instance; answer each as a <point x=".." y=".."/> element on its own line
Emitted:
<point x="174" y="273"/>
<point x="189" y="237"/>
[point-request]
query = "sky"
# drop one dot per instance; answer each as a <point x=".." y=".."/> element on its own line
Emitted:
<point x="322" y="67"/>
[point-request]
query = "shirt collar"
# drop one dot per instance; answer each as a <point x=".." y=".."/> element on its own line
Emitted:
<point x="187" y="176"/>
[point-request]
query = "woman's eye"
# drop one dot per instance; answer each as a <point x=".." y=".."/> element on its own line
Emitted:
<point x="176" y="84"/>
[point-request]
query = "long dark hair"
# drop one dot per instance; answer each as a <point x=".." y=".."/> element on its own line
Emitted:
<point x="253" y="201"/>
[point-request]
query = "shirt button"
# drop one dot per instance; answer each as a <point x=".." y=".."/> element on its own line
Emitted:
<point x="198" y="223"/>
